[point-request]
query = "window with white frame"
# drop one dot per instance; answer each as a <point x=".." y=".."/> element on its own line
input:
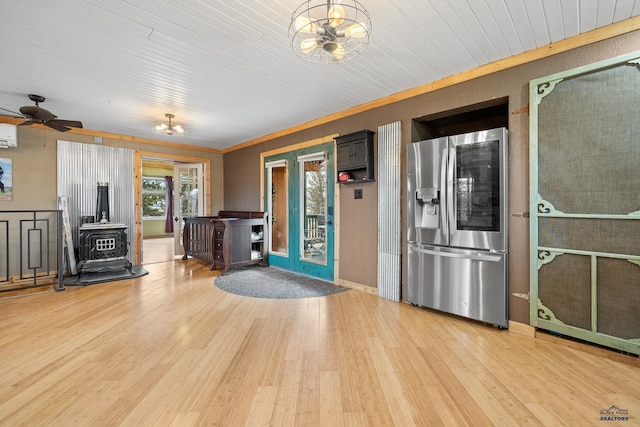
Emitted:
<point x="154" y="197"/>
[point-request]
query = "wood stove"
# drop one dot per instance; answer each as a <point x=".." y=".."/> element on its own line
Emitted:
<point x="102" y="248"/>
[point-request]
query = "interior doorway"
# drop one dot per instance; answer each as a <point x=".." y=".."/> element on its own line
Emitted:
<point x="170" y="190"/>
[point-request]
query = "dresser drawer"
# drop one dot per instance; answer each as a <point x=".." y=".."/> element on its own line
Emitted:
<point x="218" y="233"/>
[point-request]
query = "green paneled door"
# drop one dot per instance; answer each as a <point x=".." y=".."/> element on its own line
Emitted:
<point x="299" y="195"/>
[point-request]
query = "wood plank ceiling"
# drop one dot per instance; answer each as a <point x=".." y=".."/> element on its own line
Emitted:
<point x="227" y="71"/>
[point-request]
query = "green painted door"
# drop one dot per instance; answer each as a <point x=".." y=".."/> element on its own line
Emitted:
<point x="299" y="195"/>
<point x="585" y="209"/>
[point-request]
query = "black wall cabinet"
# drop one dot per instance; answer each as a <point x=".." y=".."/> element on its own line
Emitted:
<point x="355" y="156"/>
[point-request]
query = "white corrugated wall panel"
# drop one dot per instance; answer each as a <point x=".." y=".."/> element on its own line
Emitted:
<point x="389" y="138"/>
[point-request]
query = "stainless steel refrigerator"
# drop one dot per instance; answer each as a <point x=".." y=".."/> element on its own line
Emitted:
<point x="457" y="225"/>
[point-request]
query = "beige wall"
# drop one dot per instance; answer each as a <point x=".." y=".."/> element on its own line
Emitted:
<point x="34" y="166"/>
<point x="34" y="171"/>
<point x="358" y="220"/>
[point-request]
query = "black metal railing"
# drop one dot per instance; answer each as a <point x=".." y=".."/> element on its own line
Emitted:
<point x="314" y="232"/>
<point x="31" y="249"/>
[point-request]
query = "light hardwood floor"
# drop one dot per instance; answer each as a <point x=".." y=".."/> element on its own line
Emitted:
<point x="171" y="349"/>
<point x="158" y="249"/>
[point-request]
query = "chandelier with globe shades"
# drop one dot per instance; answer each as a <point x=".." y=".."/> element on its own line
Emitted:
<point x="169" y="128"/>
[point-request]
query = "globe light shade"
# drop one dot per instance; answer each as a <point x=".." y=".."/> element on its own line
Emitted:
<point x="335" y="15"/>
<point x="308" y="45"/>
<point x="169" y="128"/>
<point x="338" y="53"/>
<point x="355" y="30"/>
<point x="305" y="25"/>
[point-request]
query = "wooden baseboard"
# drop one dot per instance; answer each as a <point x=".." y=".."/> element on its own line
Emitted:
<point x="26" y="291"/>
<point x="360" y="287"/>
<point x="609" y="353"/>
<point x="522" y="329"/>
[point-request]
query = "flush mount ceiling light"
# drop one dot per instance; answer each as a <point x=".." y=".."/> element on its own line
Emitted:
<point x="170" y="128"/>
<point x="330" y="31"/>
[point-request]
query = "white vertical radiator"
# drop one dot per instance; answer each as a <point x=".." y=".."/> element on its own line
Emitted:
<point x="389" y="137"/>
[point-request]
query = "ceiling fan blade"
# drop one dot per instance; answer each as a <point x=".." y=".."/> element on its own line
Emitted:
<point x="55" y="124"/>
<point x="37" y="113"/>
<point x="17" y="115"/>
<point x="68" y="123"/>
<point x="44" y="115"/>
<point x="29" y="122"/>
<point x="29" y="110"/>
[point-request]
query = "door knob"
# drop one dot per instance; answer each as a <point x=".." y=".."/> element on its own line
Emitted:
<point x="175" y="219"/>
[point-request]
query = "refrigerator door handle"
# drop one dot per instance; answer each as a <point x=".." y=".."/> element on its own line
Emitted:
<point x="444" y="194"/>
<point x="451" y="190"/>
<point x="474" y="256"/>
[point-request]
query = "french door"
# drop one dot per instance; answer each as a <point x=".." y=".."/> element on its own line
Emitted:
<point x="188" y="197"/>
<point x="299" y="194"/>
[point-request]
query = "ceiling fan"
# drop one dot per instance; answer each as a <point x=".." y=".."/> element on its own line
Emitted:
<point x="35" y="114"/>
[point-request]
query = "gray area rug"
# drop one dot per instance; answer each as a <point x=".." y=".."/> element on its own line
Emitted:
<point x="270" y="282"/>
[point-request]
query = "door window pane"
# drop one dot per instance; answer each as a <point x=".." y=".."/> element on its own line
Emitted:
<point x="188" y="184"/>
<point x="277" y="207"/>
<point x="478" y="186"/>
<point x="188" y="196"/>
<point x="314" y="210"/>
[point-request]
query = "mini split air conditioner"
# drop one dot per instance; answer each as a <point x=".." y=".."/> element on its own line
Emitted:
<point x="8" y="135"/>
